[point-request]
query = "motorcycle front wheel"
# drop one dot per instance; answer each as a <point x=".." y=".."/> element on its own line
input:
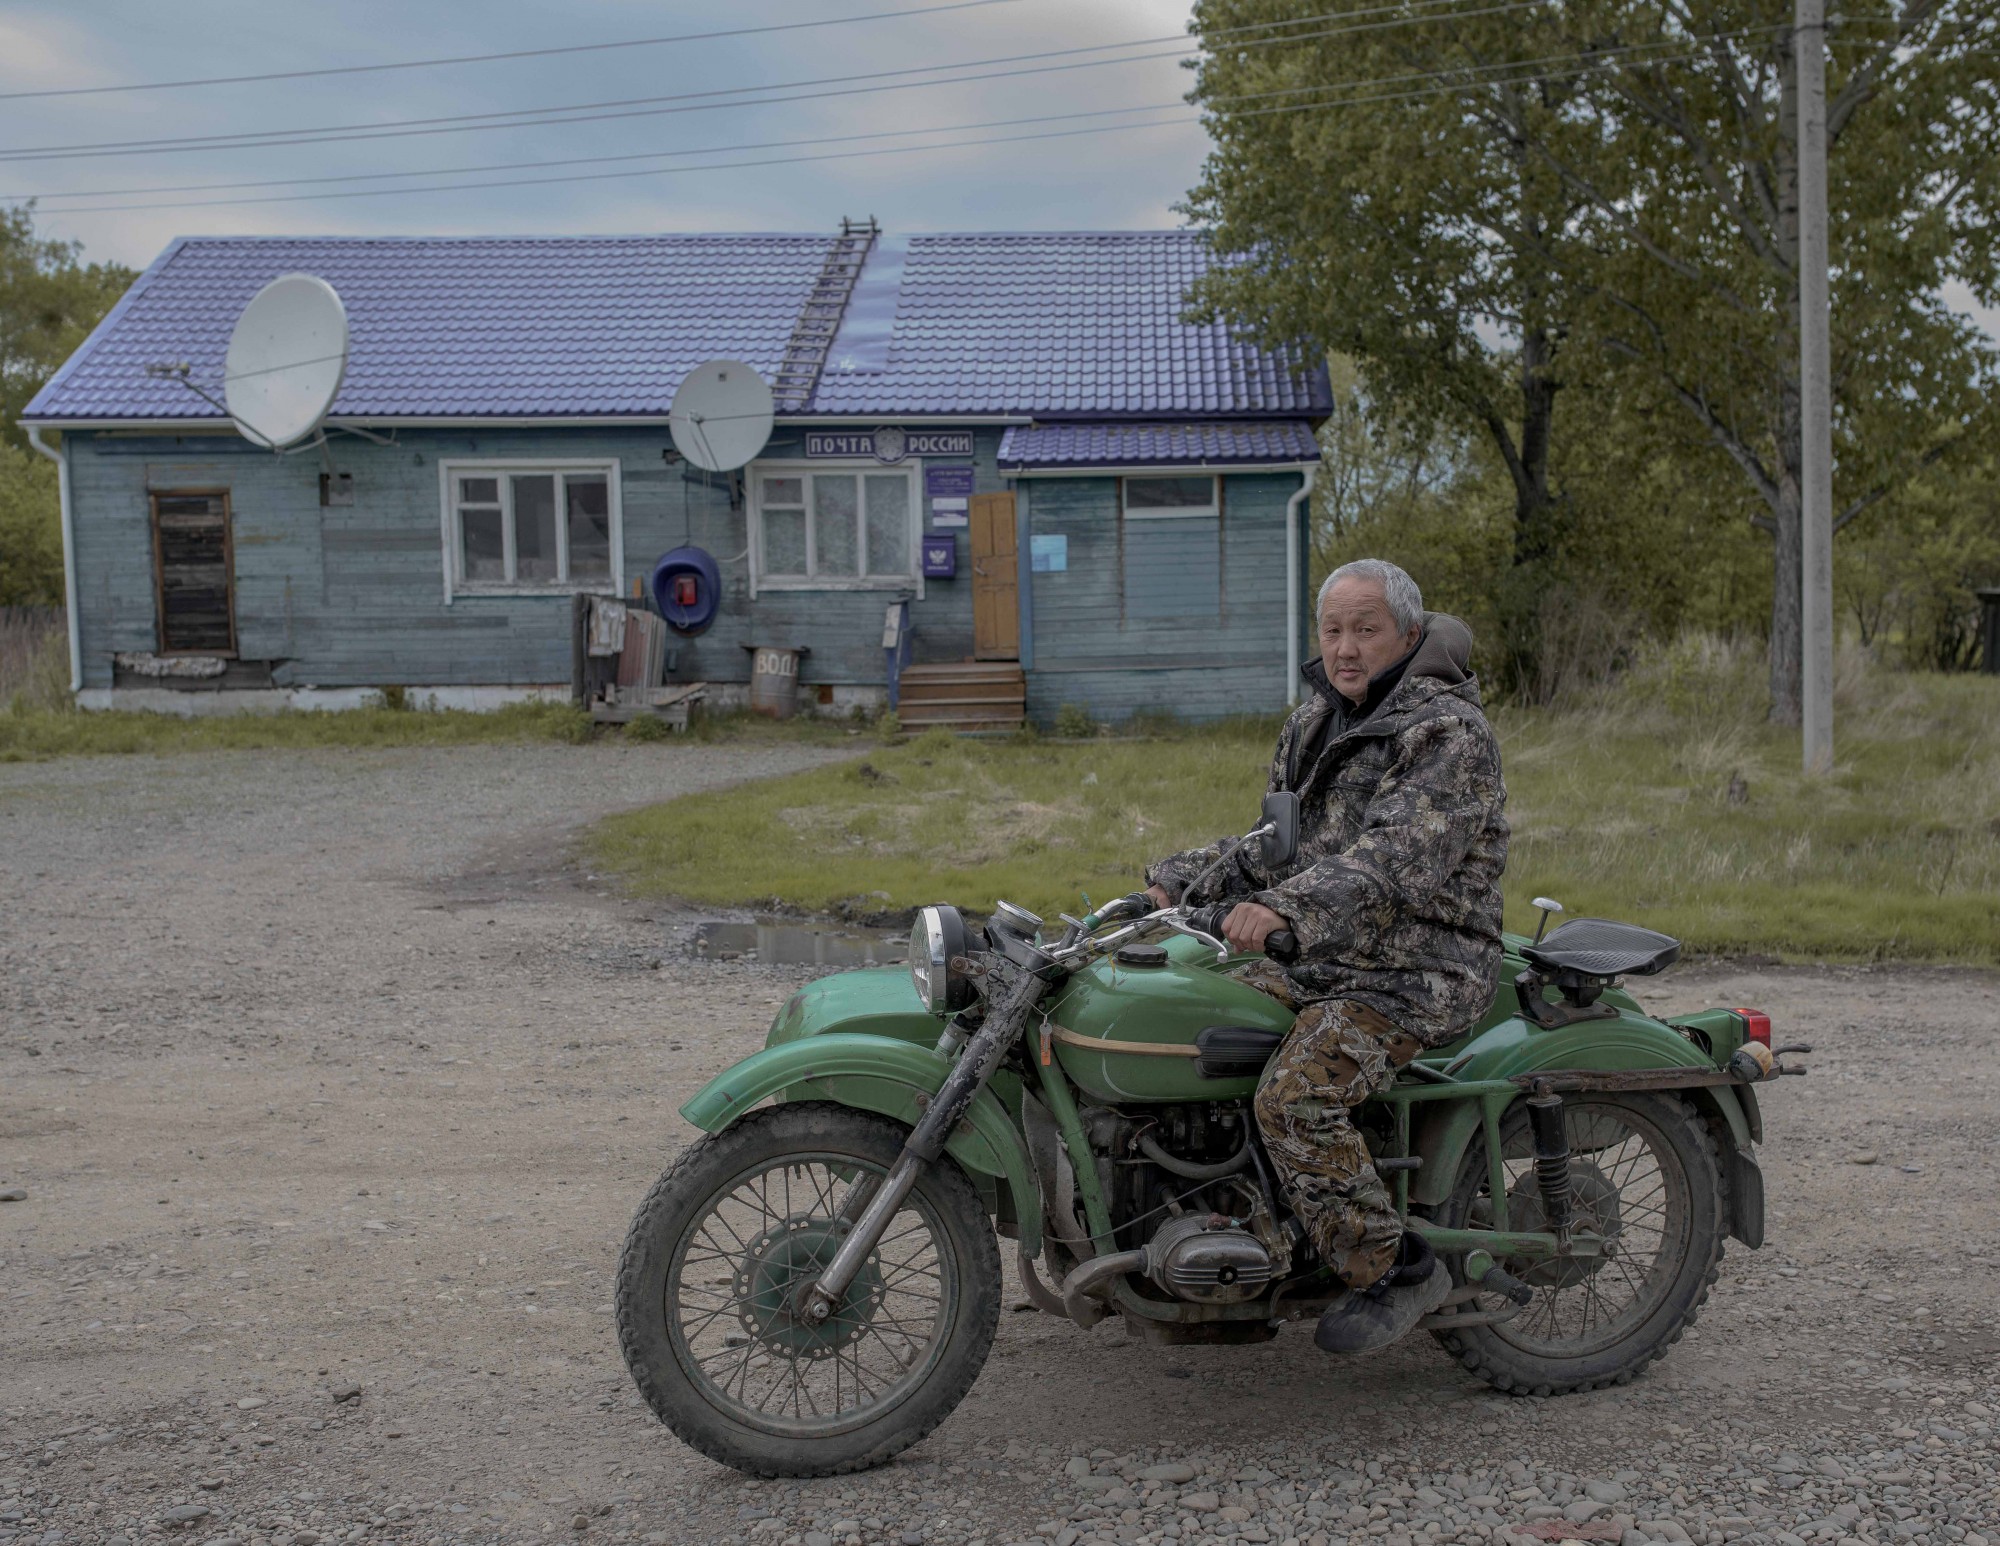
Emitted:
<point x="711" y="1274"/>
<point x="1644" y="1175"/>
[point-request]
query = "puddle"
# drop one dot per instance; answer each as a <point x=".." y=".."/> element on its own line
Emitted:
<point x="792" y="944"/>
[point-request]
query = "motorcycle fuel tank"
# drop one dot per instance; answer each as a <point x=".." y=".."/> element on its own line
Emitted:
<point x="1123" y="1033"/>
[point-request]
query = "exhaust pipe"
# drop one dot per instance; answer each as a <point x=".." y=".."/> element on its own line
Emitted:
<point x="1085" y="1311"/>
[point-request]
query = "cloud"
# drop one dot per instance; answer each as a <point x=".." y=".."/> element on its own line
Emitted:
<point x="38" y="53"/>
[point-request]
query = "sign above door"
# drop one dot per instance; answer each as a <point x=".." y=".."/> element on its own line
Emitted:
<point x="888" y="445"/>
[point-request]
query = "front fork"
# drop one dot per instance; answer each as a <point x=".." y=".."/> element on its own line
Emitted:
<point x="1002" y="1028"/>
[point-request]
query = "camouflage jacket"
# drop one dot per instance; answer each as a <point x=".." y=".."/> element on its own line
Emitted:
<point x="1394" y="893"/>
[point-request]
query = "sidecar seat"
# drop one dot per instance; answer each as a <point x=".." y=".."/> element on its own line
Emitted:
<point x="1597" y="947"/>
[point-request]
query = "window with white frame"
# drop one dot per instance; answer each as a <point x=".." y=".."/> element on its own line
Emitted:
<point x="531" y="525"/>
<point x="833" y="528"/>
<point x="1170" y="498"/>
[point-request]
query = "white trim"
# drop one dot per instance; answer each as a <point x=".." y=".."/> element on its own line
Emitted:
<point x="754" y="476"/>
<point x="70" y="583"/>
<point x="1155" y="470"/>
<point x="451" y="467"/>
<point x="1294" y="556"/>
<point x="1208" y="512"/>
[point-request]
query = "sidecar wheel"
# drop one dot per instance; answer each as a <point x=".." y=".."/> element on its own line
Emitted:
<point x="1644" y="1171"/>
<point x="723" y="1241"/>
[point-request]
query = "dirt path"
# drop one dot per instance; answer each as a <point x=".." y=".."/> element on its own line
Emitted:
<point x="322" y="1071"/>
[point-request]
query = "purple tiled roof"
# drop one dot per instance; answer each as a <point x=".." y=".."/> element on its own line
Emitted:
<point x="1068" y="323"/>
<point x="1026" y="447"/>
<point x="459" y="328"/>
<point x="1083" y="324"/>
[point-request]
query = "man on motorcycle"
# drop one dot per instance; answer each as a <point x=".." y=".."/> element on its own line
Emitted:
<point x="1394" y="897"/>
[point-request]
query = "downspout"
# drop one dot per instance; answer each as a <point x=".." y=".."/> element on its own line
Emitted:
<point x="69" y="554"/>
<point x="1293" y="580"/>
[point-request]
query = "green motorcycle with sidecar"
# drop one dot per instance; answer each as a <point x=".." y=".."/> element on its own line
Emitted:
<point x="815" y="1283"/>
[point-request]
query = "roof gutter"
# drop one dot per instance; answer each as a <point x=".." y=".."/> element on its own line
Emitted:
<point x="1294" y="600"/>
<point x="61" y="459"/>
<point x="1149" y="469"/>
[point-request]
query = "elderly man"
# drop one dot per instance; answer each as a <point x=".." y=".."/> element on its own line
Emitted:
<point x="1394" y="897"/>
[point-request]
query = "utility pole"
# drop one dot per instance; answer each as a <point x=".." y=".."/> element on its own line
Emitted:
<point x="1816" y="391"/>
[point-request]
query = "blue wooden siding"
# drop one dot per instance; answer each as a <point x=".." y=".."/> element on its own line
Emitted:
<point x="1184" y="617"/>
<point x="355" y="596"/>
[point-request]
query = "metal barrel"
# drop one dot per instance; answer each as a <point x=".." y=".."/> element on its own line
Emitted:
<point x="774" y="681"/>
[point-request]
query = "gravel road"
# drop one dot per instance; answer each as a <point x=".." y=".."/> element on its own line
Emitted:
<point x="331" y="1083"/>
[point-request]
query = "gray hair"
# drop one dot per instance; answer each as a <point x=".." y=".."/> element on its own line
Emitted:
<point x="1406" y="602"/>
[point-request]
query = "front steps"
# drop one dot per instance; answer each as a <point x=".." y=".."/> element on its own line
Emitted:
<point x="970" y="697"/>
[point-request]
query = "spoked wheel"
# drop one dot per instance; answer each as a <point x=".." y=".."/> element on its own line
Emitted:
<point x="710" y="1282"/>
<point x="1645" y="1178"/>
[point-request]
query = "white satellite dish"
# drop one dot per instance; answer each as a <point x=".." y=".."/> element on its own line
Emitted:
<point x="721" y="415"/>
<point x="286" y="360"/>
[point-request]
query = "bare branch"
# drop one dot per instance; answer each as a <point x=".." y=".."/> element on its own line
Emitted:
<point x="1889" y="485"/>
<point x="1720" y="430"/>
<point x="1861" y="85"/>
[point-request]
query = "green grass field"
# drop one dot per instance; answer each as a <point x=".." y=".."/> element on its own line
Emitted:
<point x="1667" y="803"/>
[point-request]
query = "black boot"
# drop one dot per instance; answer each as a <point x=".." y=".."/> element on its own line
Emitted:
<point x="1369" y="1318"/>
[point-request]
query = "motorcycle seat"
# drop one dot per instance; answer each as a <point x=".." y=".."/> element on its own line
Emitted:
<point x="1597" y="947"/>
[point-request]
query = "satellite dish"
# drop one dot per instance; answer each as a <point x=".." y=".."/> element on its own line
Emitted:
<point x="721" y="415"/>
<point x="286" y="360"/>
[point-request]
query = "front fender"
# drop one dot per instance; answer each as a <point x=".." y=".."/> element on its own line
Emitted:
<point x="881" y="1074"/>
<point x="1444" y="1130"/>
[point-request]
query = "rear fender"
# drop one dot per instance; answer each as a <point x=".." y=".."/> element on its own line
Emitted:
<point x="881" y="1074"/>
<point x="1444" y="1130"/>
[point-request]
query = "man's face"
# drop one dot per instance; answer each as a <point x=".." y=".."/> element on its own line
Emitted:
<point x="1358" y="636"/>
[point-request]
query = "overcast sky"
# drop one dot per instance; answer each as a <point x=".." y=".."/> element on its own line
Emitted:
<point x="1126" y="172"/>
<point x="1127" y="178"/>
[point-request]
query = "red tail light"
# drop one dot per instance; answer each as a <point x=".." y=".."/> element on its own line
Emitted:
<point x="1756" y="1024"/>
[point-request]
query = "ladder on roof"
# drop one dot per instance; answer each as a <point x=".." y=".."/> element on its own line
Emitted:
<point x="812" y="335"/>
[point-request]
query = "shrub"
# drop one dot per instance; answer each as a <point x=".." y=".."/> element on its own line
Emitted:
<point x="1073" y="722"/>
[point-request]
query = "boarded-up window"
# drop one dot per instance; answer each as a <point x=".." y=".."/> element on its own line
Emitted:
<point x="1171" y="545"/>
<point x="191" y="568"/>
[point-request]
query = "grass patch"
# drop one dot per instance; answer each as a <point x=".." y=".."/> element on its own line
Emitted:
<point x="1667" y="802"/>
<point x="34" y="735"/>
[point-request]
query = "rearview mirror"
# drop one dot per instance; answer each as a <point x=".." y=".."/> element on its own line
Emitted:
<point x="1280" y="840"/>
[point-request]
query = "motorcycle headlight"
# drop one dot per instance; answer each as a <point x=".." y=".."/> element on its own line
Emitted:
<point x="938" y="935"/>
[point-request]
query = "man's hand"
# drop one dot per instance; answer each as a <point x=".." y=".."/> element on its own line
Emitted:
<point x="1249" y="925"/>
<point x="1159" y="897"/>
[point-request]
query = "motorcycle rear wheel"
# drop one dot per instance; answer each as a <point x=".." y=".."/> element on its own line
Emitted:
<point x="1644" y="1171"/>
<point x="715" y="1258"/>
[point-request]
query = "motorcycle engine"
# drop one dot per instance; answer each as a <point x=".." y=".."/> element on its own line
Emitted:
<point x="1206" y="1258"/>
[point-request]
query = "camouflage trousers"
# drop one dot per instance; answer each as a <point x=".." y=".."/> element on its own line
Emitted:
<point x="1336" y="1055"/>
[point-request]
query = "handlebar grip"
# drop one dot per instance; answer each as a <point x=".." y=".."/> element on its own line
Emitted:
<point x="1281" y="945"/>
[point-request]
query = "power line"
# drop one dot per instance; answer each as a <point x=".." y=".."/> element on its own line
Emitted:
<point x="514" y="166"/>
<point x="1578" y="65"/>
<point x="1459" y="73"/>
<point x="639" y="107"/>
<point x="520" y="53"/>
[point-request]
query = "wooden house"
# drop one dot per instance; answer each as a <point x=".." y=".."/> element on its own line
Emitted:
<point x="1082" y="497"/>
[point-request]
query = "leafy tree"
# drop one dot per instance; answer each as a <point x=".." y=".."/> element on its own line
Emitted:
<point x="1908" y="576"/>
<point x="31" y="556"/>
<point x="1599" y="198"/>
<point x="49" y="301"/>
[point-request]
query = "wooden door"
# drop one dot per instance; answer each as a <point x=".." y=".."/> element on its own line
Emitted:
<point x="194" y="581"/>
<point x="996" y="605"/>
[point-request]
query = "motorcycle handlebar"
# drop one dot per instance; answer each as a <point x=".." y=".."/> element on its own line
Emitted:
<point x="1281" y="945"/>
